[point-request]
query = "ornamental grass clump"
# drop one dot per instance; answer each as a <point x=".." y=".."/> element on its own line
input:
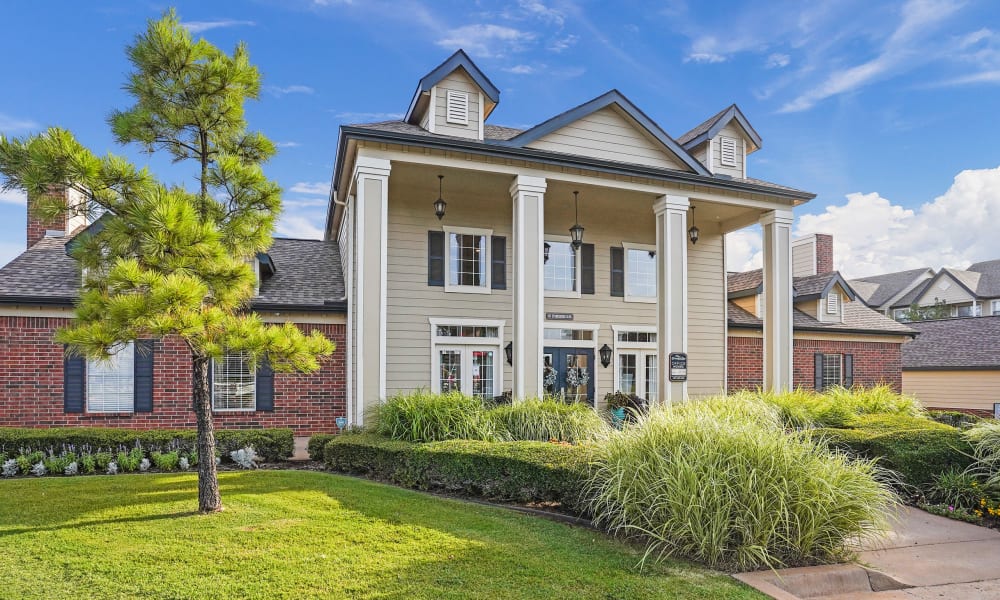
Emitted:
<point x="985" y="440"/>
<point x="723" y="483"/>
<point x="547" y="419"/>
<point x="422" y="416"/>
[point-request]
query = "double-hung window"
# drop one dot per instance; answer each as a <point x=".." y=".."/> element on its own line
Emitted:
<point x="111" y="382"/>
<point x="562" y="268"/>
<point x="640" y="273"/>
<point x="467" y="357"/>
<point x="234" y="384"/>
<point x="635" y="361"/>
<point x="467" y="260"/>
<point x="995" y="308"/>
<point x="833" y="370"/>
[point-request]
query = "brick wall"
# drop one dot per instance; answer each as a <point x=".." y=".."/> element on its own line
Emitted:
<point x="37" y="227"/>
<point x="874" y="362"/>
<point x="824" y="253"/>
<point x="31" y="386"/>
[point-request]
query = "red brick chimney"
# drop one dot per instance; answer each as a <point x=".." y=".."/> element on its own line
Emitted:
<point x="812" y="255"/>
<point x="68" y="224"/>
<point x="824" y="253"/>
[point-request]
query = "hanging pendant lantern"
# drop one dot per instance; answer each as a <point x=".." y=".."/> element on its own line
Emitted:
<point x="576" y="231"/>
<point x="546" y="247"/>
<point x="440" y="205"/>
<point x="693" y="232"/>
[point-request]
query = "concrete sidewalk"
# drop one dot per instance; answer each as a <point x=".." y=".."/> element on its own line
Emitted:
<point x="925" y="556"/>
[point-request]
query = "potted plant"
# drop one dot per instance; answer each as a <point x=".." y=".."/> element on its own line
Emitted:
<point x="617" y="402"/>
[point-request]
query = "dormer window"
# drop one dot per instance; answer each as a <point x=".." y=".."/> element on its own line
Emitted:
<point x="727" y="147"/>
<point x="832" y="303"/>
<point x="457" y="107"/>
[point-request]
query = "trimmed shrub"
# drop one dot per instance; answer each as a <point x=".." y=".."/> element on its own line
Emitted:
<point x="547" y="419"/>
<point x="734" y="491"/>
<point x="271" y="444"/>
<point x="917" y="449"/>
<point x="425" y="417"/>
<point x="502" y="471"/>
<point x="316" y="444"/>
<point x="954" y="418"/>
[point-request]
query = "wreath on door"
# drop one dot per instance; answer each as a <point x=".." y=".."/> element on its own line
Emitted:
<point x="577" y="376"/>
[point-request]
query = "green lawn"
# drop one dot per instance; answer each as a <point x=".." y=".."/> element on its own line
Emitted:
<point x="294" y="534"/>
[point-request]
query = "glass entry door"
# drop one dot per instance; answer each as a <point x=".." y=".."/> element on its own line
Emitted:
<point x="467" y="369"/>
<point x="569" y="372"/>
<point x="637" y="373"/>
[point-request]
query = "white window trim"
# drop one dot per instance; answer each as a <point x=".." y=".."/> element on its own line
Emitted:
<point x="487" y="288"/>
<point x="631" y="246"/>
<point x="211" y="386"/>
<point x="995" y="307"/>
<point x="591" y="343"/>
<point x="88" y="395"/>
<point x="564" y="239"/>
<point x="445" y="342"/>
<point x="841" y="369"/>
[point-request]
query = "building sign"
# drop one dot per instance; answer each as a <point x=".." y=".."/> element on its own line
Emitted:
<point x="558" y="316"/>
<point x="678" y="366"/>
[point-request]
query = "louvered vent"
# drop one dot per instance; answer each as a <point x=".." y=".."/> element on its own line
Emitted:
<point x="458" y="108"/>
<point x="728" y="149"/>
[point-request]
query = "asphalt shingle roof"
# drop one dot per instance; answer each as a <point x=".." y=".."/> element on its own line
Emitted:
<point x="703" y="126"/>
<point x="911" y="296"/>
<point x="857" y="318"/>
<point x="307" y="274"/>
<point x="889" y="284"/>
<point x="989" y="283"/>
<point x="970" y="343"/>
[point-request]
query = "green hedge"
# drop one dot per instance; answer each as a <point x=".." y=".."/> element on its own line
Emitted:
<point x="916" y="448"/>
<point x="270" y="444"/>
<point x="317" y="442"/>
<point x="502" y="471"/>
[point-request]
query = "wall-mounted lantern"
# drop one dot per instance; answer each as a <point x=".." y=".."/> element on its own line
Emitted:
<point x="508" y="350"/>
<point x="605" y="355"/>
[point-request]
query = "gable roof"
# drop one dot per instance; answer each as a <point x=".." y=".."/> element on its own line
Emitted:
<point x="888" y="285"/>
<point x="612" y="97"/>
<point x="858" y="318"/>
<point x="457" y="60"/>
<point x="954" y="344"/>
<point x="907" y="299"/>
<point x="306" y="276"/>
<point x="709" y="128"/>
<point x="955" y="276"/>
<point x="989" y="283"/>
<point x="811" y="287"/>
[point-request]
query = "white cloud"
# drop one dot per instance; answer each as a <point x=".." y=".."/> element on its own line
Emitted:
<point x="953" y="230"/>
<point x="13" y="197"/>
<point x="542" y="12"/>
<point x="486" y="40"/>
<point x="287" y="144"/>
<point x="10" y="124"/>
<point x="357" y="117"/>
<point x="561" y="44"/>
<point x="974" y="78"/>
<point x="200" y="26"/>
<point x="705" y="57"/>
<point x="298" y="227"/>
<point x="743" y="249"/>
<point x="520" y="70"/>
<point x="319" y="188"/>
<point x="303" y="202"/>
<point x="777" y="61"/>
<point x="289" y="89"/>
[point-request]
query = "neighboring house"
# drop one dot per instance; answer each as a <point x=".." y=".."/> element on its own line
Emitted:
<point x="972" y="292"/>
<point x="954" y="364"/>
<point x="837" y="339"/>
<point x="493" y="297"/>
<point x="148" y="383"/>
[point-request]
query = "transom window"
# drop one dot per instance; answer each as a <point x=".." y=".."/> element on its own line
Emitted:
<point x="569" y="334"/>
<point x="234" y="386"/>
<point x="467" y="357"/>
<point x="642" y="337"/>
<point x="111" y="382"/>
<point x="562" y="272"/>
<point x="833" y="370"/>
<point x="640" y="273"/>
<point x="475" y="331"/>
<point x="468" y="259"/>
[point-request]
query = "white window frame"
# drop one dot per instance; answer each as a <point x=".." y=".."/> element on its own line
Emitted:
<point x="628" y="246"/>
<point x="461" y="98"/>
<point x="90" y="395"/>
<point x="995" y="307"/>
<point x="723" y="141"/>
<point x="832" y="303"/>
<point x="467" y="345"/>
<point x="253" y="375"/>
<point x="640" y="349"/>
<point x="487" y="287"/>
<point x="840" y="357"/>
<point x="564" y="239"/>
<point x="595" y="328"/>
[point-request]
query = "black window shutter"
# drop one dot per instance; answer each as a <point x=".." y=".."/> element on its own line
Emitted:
<point x="818" y="373"/>
<point x="265" y="386"/>
<point x="74" y="372"/>
<point x="143" y="373"/>
<point x="848" y="370"/>
<point x="617" y="271"/>
<point x="435" y="258"/>
<point x="498" y="278"/>
<point x="587" y="269"/>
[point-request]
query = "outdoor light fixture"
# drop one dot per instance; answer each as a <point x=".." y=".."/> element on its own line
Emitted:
<point x="545" y="248"/>
<point x="440" y="204"/>
<point x="509" y="351"/>
<point x="576" y="231"/>
<point x="693" y="231"/>
<point x="605" y="355"/>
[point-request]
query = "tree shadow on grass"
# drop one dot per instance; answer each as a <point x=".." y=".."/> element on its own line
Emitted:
<point x="115" y="521"/>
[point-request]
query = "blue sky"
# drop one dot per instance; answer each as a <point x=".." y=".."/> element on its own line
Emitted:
<point x="886" y="110"/>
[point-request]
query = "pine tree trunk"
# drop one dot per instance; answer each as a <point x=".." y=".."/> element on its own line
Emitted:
<point x="209" y="499"/>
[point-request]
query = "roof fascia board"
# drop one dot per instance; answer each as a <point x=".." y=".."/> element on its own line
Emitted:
<point x="327" y="307"/>
<point x="954" y="368"/>
<point x="830" y="331"/>
<point x="603" y="101"/>
<point x="734" y="112"/>
<point x="38" y="300"/>
<point x="456" y="60"/>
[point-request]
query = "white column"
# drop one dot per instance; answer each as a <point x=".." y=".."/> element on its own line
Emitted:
<point x="371" y="235"/>
<point x="528" y="194"/>
<point x="671" y="291"/>
<point x="777" y="301"/>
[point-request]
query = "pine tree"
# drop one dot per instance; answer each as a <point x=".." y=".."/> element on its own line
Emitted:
<point x="168" y="261"/>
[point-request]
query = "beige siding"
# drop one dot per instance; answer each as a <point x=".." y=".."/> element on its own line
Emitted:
<point x="733" y="131"/>
<point x="747" y="303"/>
<point x="700" y="153"/>
<point x="804" y="258"/>
<point x="955" y="294"/>
<point x="460" y="82"/>
<point x="954" y="389"/>
<point x="609" y="134"/>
